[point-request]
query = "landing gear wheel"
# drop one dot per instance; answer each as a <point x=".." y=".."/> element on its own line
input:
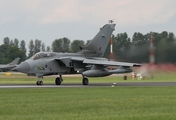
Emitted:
<point x="58" y="81"/>
<point x="39" y="83"/>
<point x="85" y="81"/>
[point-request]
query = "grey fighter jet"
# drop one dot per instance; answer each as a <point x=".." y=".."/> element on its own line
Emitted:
<point x="89" y="61"/>
<point x="10" y="65"/>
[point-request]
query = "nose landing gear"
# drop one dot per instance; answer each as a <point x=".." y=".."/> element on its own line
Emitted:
<point x="39" y="82"/>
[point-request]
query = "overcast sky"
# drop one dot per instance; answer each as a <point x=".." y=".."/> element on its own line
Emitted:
<point x="48" y="20"/>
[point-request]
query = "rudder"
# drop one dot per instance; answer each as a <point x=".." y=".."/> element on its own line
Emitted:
<point x="14" y="62"/>
<point x="99" y="43"/>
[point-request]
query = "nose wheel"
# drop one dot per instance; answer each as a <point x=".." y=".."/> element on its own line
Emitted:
<point x="39" y="83"/>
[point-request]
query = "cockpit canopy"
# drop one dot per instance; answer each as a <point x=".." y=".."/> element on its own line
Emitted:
<point x="40" y="55"/>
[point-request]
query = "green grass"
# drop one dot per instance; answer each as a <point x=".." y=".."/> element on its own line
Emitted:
<point x="24" y="79"/>
<point x="99" y="103"/>
<point x="118" y="103"/>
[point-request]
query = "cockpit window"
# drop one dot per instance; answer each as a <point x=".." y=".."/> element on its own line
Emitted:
<point x="37" y="57"/>
<point x="42" y="55"/>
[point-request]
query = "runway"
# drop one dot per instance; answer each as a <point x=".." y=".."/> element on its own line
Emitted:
<point x="74" y="85"/>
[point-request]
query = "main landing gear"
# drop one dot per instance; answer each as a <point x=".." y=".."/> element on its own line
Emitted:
<point x="85" y="81"/>
<point x="39" y="82"/>
<point x="58" y="80"/>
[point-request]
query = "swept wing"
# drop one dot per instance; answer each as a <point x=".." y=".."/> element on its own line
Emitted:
<point x="110" y="63"/>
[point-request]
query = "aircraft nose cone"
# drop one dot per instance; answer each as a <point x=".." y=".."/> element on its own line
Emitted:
<point x="23" y="67"/>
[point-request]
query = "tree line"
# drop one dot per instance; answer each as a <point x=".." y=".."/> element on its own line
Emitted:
<point x="135" y="49"/>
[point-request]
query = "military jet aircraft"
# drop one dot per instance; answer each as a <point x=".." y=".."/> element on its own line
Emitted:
<point x="89" y="61"/>
<point x="10" y="65"/>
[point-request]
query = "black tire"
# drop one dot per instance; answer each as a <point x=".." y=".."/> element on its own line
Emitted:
<point x="58" y="81"/>
<point x="85" y="81"/>
<point x="37" y="83"/>
<point x="41" y="82"/>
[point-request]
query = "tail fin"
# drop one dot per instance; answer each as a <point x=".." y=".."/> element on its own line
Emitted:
<point x="99" y="43"/>
<point x="15" y="61"/>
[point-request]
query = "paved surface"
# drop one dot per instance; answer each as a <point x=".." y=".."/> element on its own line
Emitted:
<point x="72" y="85"/>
